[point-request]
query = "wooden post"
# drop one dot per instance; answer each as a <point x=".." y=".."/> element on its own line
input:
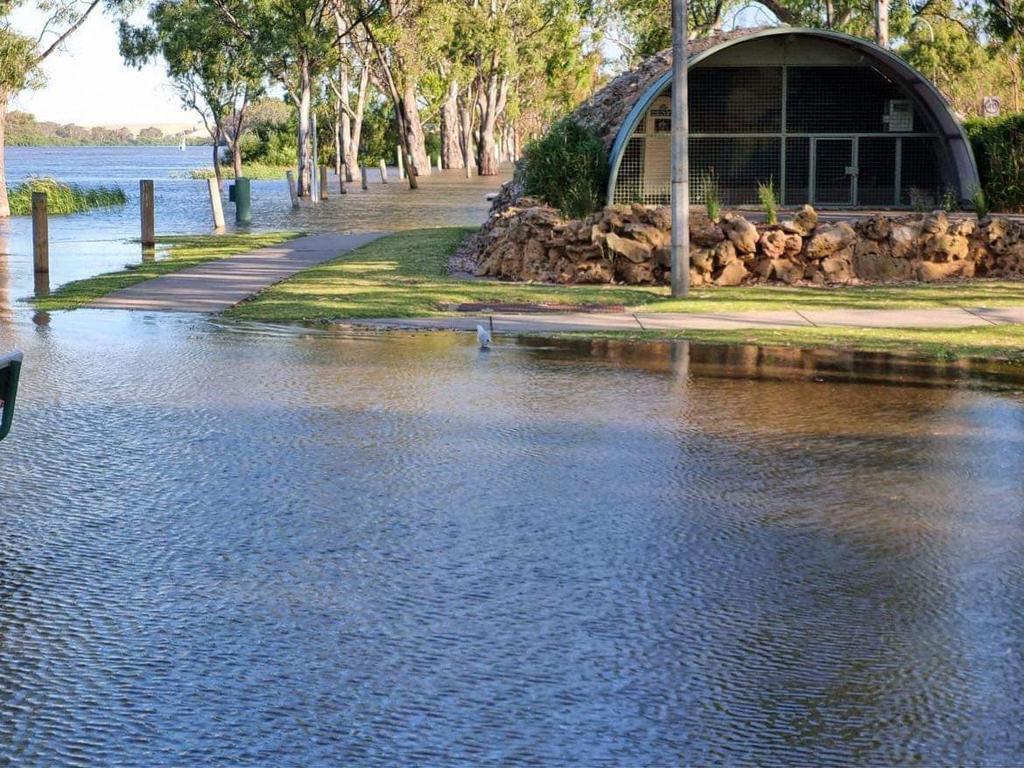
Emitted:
<point x="215" y="204"/>
<point x="292" y="190"/>
<point x="146" y="208"/>
<point x="383" y="172"/>
<point x="341" y="180"/>
<point x="40" y="234"/>
<point x="323" y="182"/>
<point x="362" y="169"/>
<point x="401" y="165"/>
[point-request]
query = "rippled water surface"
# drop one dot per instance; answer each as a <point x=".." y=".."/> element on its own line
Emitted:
<point x="229" y="545"/>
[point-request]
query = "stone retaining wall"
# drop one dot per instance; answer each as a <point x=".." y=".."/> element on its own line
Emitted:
<point x="630" y="244"/>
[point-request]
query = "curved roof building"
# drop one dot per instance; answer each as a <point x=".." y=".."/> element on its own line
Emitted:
<point x="827" y="118"/>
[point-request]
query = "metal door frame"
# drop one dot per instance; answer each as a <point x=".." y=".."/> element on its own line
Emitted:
<point x="851" y="171"/>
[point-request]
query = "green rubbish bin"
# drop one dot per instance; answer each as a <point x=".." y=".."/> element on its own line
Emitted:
<point x="239" y="194"/>
<point x="10" y="369"/>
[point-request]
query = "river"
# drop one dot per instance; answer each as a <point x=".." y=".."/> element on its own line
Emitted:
<point x="235" y="544"/>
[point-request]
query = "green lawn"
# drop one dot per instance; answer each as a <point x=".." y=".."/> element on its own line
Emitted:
<point x="173" y="253"/>
<point x="404" y="275"/>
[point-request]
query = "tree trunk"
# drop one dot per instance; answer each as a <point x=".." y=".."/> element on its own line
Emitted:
<point x="486" y="161"/>
<point x="5" y="204"/>
<point x="356" y="135"/>
<point x="236" y="157"/>
<point x="414" y="131"/>
<point x="305" y="145"/>
<point x="451" y="146"/>
<point x="882" y="23"/>
<point x="466" y="137"/>
<point x="216" y="161"/>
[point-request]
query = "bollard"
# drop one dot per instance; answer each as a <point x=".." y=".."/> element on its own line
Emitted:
<point x="401" y="165"/>
<point x="341" y="180"/>
<point x="439" y="162"/>
<point x="40" y="234"/>
<point x="323" y="182"/>
<point x="362" y="170"/>
<point x="240" y="194"/>
<point x="146" y="209"/>
<point x="383" y="172"/>
<point x="290" y="175"/>
<point x="215" y="204"/>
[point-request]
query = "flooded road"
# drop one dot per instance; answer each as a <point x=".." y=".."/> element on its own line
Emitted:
<point x="241" y="545"/>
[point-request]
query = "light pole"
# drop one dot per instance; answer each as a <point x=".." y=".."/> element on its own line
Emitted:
<point x="680" y="155"/>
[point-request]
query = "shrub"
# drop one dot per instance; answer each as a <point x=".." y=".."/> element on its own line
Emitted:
<point x="62" y="198"/>
<point x="566" y="168"/>
<point x="769" y="202"/>
<point x="980" y="202"/>
<point x="999" y="149"/>
<point x="712" y="195"/>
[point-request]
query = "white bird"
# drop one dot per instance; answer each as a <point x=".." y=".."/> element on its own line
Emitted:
<point x="483" y="336"/>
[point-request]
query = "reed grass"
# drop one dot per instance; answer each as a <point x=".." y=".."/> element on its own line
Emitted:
<point x="62" y="198"/>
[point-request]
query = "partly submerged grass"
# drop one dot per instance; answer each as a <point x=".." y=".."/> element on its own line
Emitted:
<point x="404" y="275"/>
<point x="174" y="253"/>
<point x="62" y="198"/>
<point x="257" y="171"/>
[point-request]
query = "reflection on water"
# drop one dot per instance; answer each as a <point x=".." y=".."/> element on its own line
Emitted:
<point x="234" y="545"/>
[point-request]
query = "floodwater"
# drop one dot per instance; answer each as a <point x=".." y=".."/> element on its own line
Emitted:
<point x="105" y="240"/>
<point x="245" y="545"/>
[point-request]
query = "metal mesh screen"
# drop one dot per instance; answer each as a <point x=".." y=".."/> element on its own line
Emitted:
<point x="839" y="100"/>
<point x="876" y="165"/>
<point x="798" y="170"/>
<point x="735" y="99"/>
<point x="920" y="181"/>
<point x="738" y="165"/>
<point x="630" y="185"/>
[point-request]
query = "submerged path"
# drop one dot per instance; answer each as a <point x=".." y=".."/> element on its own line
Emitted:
<point x="218" y="285"/>
<point x="528" y="322"/>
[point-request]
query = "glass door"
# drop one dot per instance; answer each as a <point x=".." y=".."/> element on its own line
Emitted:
<point x="833" y="172"/>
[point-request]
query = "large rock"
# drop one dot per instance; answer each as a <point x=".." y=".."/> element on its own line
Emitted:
<point x="773" y="243"/>
<point x="931" y="271"/>
<point x="732" y="273"/>
<point x="829" y="239"/>
<point x="740" y="232"/>
<point x="806" y="220"/>
<point x="632" y="250"/>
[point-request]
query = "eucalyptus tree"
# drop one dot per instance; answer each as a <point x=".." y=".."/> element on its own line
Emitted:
<point x="213" y="68"/>
<point x="22" y="53"/>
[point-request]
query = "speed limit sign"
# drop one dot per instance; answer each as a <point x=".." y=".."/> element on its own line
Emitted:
<point x="990" y="106"/>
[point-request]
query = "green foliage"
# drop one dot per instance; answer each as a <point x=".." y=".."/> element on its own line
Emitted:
<point x="979" y="202"/>
<point x="270" y="138"/>
<point x="62" y="198"/>
<point x="250" y="170"/>
<point x="999" y="149"/>
<point x="380" y="134"/>
<point x="769" y="202"/>
<point x="566" y="168"/>
<point x="712" y="196"/>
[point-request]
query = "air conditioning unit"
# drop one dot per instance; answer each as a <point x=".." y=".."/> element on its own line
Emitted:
<point x="899" y="115"/>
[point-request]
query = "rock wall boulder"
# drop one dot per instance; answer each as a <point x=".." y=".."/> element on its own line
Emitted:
<point x="528" y="241"/>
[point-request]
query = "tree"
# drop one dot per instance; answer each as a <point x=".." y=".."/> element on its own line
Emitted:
<point x="214" y="69"/>
<point x="22" y="55"/>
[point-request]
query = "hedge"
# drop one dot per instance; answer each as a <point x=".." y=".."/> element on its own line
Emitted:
<point x="998" y="144"/>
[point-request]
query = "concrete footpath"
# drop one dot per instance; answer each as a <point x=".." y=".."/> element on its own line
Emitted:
<point x="529" y="322"/>
<point x="218" y="285"/>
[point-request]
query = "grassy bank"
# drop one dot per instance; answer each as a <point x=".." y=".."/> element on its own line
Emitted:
<point x="173" y="253"/>
<point x="404" y="275"/>
<point x="62" y="198"/>
<point x="256" y="171"/>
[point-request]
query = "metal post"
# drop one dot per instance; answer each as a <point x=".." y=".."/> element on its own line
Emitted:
<point x="146" y="209"/>
<point x="680" y="154"/>
<point x="40" y="234"/>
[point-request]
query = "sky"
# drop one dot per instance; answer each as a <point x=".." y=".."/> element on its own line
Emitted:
<point x="88" y="83"/>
